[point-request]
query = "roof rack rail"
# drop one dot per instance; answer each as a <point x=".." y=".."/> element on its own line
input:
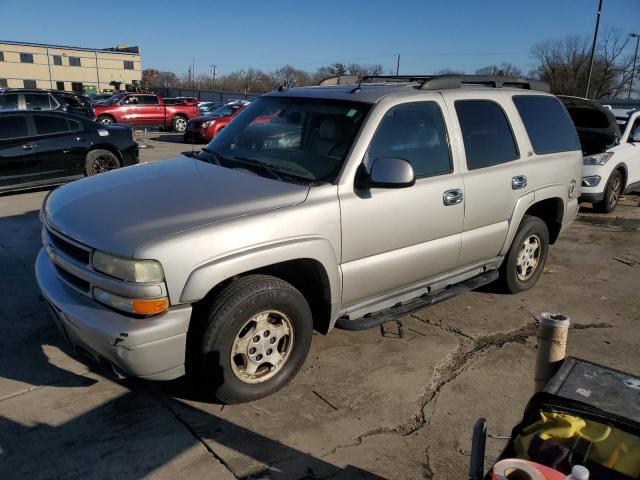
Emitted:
<point x="442" y="82"/>
<point x="446" y="82"/>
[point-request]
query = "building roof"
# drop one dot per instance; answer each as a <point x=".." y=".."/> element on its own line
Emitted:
<point x="135" y="50"/>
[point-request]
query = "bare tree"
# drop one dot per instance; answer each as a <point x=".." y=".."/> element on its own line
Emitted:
<point x="564" y="64"/>
<point x="505" y="69"/>
<point x="289" y="77"/>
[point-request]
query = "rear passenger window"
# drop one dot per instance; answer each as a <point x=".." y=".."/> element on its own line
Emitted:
<point x="13" y="126"/>
<point x="414" y="132"/>
<point x="488" y="139"/>
<point x="548" y="124"/>
<point x="47" y="124"/>
<point x="149" y="100"/>
<point x="35" y="101"/>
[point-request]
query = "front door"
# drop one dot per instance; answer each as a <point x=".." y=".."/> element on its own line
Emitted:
<point x="129" y="110"/>
<point x="394" y="238"/>
<point x="17" y="151"/>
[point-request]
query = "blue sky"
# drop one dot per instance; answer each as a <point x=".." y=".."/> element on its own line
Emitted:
<point x="429" y="35"/>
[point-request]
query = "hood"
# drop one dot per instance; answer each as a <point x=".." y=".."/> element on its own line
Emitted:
<point x="124" y="209"/>
<point x="206" y="118"/>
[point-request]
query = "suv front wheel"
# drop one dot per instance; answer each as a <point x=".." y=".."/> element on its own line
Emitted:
<point x="527" y="255"/>
<point x="256" y="338"/>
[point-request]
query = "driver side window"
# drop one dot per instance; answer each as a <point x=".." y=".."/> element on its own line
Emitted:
<point x="414" y="132"/>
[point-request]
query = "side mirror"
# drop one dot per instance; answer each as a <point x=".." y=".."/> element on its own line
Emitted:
<point x="387" y="172"/>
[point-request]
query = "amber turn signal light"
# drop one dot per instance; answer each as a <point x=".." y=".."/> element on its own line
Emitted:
<point x="149" y="306"/>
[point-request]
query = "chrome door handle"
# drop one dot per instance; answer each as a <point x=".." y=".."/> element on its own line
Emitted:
<point x="452" y="197"/>
<point x="518" y="182"/>
<point x="27" y="147"/>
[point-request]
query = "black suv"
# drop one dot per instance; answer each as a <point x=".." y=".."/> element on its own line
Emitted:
<point x="39" y="149"/>
<point x="38" y="99"/>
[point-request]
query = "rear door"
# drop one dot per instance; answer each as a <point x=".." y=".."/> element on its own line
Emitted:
<point x="62" y="144"/>
<point x="150" y="112"/>
<point x="17" y="151"/>
<point x="494" y="172"/>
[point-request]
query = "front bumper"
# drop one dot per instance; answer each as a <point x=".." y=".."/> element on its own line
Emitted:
<point x="193" y="134"/>
<point x="591" y="197"/>
<point x="131" y="155"/>
<point x="152" y="348"/>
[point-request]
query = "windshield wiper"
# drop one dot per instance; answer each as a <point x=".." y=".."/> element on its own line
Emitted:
<point x="214" y="155"/>
<point x="256" y="163"/>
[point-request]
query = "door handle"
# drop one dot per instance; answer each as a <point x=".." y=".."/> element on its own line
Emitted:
<point x="79" y="139"/>
<point x="452" y="197"/>
<point x="518" y="182"/>
<point x="28" y="146"/>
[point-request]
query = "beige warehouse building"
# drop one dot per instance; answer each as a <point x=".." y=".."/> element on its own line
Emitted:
<point x="34" y="65"/>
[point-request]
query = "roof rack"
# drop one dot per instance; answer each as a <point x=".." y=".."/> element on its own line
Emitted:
<point x="443" y="82"/>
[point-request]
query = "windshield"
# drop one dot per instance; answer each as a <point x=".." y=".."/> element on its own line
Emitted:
<point x="223" y="111"/>
<point x="304" y="138"/>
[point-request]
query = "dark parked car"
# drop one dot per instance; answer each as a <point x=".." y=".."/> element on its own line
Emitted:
<point x="97" y="98"/>
<point x="40" y="149"/>
<point x="38" y="99"/>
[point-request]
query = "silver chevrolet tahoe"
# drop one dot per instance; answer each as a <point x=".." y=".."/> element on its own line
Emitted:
<point x="340" y="205"/>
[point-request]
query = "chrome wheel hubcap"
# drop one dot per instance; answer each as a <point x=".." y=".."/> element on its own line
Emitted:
<point x="528" y="257"/>
<point x="181" y="125"/>
<point x="262" y="347"/>
<point x="614" y="194"/>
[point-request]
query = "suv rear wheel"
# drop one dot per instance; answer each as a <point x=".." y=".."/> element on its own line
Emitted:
<point x="527" y="255"/>
<point x="256" y="338"/>
<point x="611" y="194"/>
<point x="179" y="124"/>
<point x="105" y="120"/>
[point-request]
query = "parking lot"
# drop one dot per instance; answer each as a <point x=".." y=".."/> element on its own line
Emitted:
<point x="365" y="405"/>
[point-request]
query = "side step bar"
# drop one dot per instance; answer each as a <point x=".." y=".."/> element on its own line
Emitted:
<point x="426" y="300"/>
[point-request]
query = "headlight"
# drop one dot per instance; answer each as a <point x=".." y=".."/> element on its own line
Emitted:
<point x="591" y="181"/>
<point x="141" y="306"/>
<point x="129" y="270"/>
<point x="597" y="159"/>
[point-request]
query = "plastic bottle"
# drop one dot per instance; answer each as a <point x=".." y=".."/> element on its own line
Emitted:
<point x="578" y="472"/>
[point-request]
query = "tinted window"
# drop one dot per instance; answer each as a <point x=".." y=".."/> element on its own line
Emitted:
<point x="26" y="58"/>
<point x="487" y="135"/>
<point x="128" y="65"/>
<point x="9" y="101"/>
<point x="548" y="125"/>
<point x="73" y="101"/>
<point x="46" y="124"/>
<point x="148" y="100"/>
<point x="74" y="125"/>
<point x="414" y="132"/>
<point x="57" y="60"/>
<point x="74" y="61"/>
<point x="35" y="101"/>
<point x="13" y="126"/>
<point x="29" y="84"/>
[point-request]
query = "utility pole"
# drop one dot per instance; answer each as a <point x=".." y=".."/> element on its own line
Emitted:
<point x="593" y="48"/>
<point x="635" y="56"/>
<point x="214" y="68"/>
<point x="398" y="65"/>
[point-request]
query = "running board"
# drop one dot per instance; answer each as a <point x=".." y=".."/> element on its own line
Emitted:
<point x="400" y="310"/>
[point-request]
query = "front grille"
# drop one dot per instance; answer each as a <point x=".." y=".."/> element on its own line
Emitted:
<point x="76" y="282"/>
<point x="69" y="248"/>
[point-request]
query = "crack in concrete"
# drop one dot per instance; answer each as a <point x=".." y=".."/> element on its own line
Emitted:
<point x="459" y="360"/>
<point x="33" y="388"/>
<point x="442" y="326"/>
<point x="163" y="403"/>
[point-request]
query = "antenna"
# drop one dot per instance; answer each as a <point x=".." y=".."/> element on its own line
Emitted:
<point x="357" y="89"/>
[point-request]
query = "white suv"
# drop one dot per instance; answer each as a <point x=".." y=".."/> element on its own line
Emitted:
<point x="611" y="157"/>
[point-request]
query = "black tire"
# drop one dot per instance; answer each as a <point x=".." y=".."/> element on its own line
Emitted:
<point x="612" y="193"/>
<point x="100" y="161"/>
<point x="238" y="303"/>
<point x="105" y="120"/>
<point x="179" y="124"/>
<point x="511" y="272"/>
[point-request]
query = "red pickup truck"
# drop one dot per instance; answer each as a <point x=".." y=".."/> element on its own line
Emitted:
<point x="144" y="110"/>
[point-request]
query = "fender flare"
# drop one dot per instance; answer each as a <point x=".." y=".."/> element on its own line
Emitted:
<point x="558" y="191"/>
<point x="207" y="276"/>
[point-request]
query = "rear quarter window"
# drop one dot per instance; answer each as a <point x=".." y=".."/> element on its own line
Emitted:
<point x="549" y="126"/>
